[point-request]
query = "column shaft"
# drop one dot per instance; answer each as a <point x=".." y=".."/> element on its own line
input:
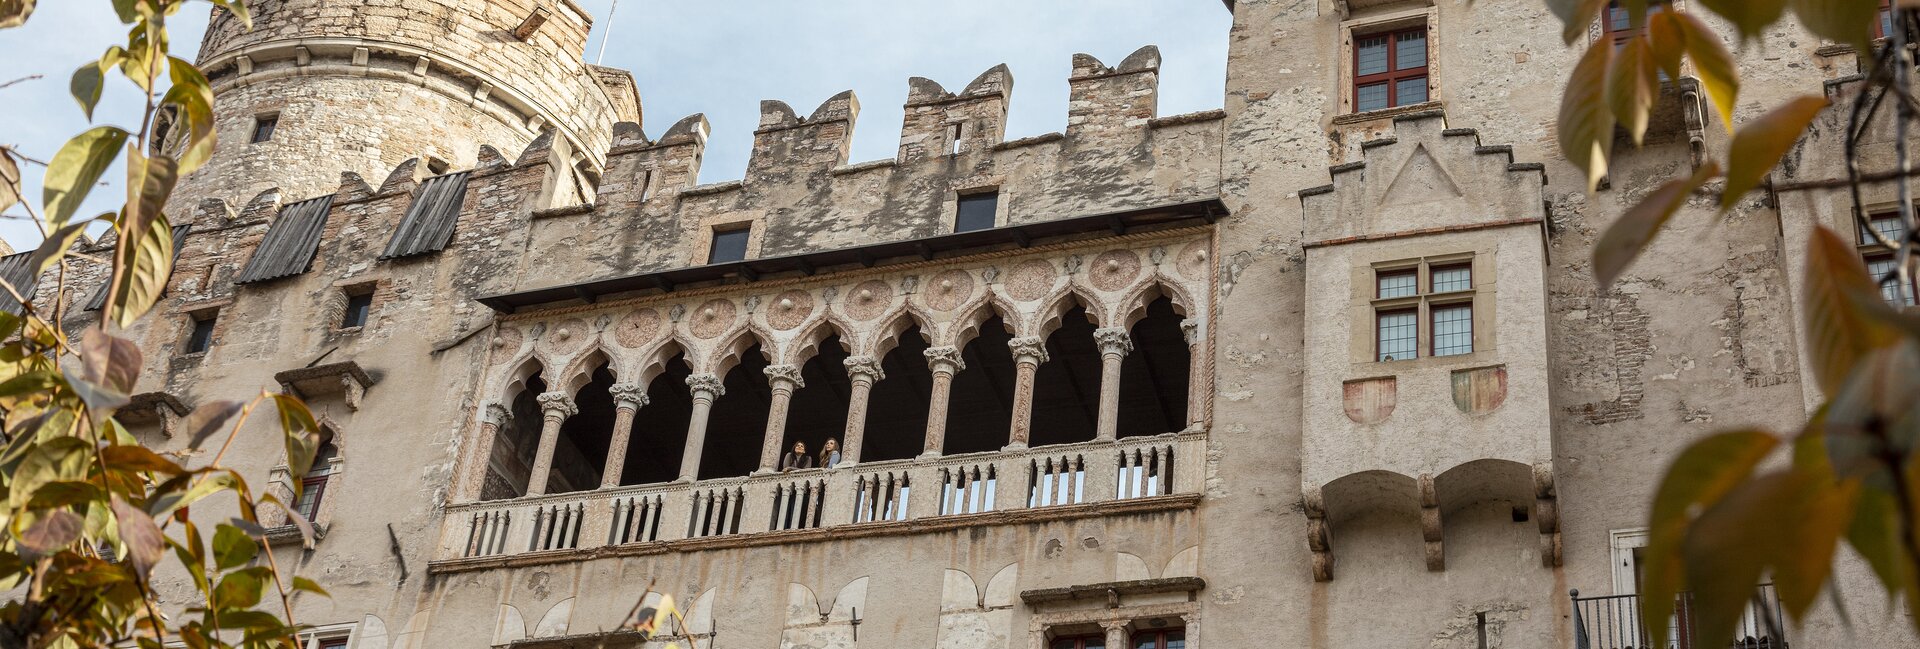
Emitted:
<point x="862" y="373"/>
<point x="1114" y="345"/>
<point x="706" y="388"/>
<point x="1028" y="354"/>
<point x="478" y="459"/>
<point x="628" y="399"/>
<point x="555" y="408"/>
<point x="944" y="361"/>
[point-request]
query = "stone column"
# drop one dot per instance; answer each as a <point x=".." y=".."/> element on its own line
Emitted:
<point x="862" y="372"/>
<point x="945" y="362"/>
<point x="1116" y="633"/>
<point x="1028" y="354"/>
<point x="1199" y="376"/>
<point x="479" y="456"/>
<point x="706" y="388"/>
<point x="628" y="398"/>
<point x="555" y="408"/>
<point x="783" y="379"/>
<point x="1114" y="344"/>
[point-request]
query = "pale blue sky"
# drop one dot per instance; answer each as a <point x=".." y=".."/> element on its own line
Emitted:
<point x="716" y="57"/>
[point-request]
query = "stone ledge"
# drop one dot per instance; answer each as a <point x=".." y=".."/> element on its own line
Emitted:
<point x="1176" y="502"/>
<point x="1420" y="232"/>
<point x="1187" y="118"/>
<point x="1111" y="589"/>
<point x="1412" y="111"/>
<point x="1030" y="141"/>
<point x="569" y="210"/>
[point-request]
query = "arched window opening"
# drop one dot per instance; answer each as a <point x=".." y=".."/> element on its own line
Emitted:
<point x="739" y="420"/>
<point x="981" y="406"/>
<point x="659" y="434"/>
<point x="581" y="454"/>
<point x="1066" y="389"/>
<point x="818" y="412"/>
<point x="515" y="444"/>
<point x="896" y="426"/>
<point x="1153" y="379"/>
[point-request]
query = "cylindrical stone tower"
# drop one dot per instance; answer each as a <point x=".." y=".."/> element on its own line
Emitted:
<point x="318" y="87"/>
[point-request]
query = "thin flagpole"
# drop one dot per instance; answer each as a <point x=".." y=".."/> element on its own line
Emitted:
<point x="607" y="34"/>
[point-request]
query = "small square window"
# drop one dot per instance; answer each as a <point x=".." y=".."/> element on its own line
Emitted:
<point x="263" y="127"/>
<point x="1888" y="225"/>
<point x="1399" y="283"/>
<point x="976" y="212"/>
<point x="1399" y="335"/>
<point x="729" y="245"/>
<point x="201" y="339"/>
<point x="1452" y="329"/>
<point x="359" y="305"/>
<point x="1447" y="279"/>
<point x="954" y="132"/>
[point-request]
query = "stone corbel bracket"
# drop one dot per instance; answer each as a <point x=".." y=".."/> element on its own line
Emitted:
<point x="345" y="378"/>
<point x="1430" y="525"/>
<point x="1318" y="538"/>
<point x="154" y="408"/>
<point x="1546" y="510"/>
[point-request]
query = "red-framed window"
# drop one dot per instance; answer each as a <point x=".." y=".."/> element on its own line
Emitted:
<point x="1390" y="69"/>
<point x="312" y="490"/>
<point x="1079" y="642"/>
<point x="1396" y="335"/>
<point x="1160" y="639"/>
<point x="1451" y="328"/>
<point x="1891" y="289"/>
<point x="1883" y="23"/>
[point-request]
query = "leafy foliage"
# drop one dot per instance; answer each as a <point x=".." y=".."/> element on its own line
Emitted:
<point x="91" y="514"/>
<point x="1720" y="522"/>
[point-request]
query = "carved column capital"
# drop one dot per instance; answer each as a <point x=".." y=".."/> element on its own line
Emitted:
<point x="628" y="395"/>
<point x="708" y="383"/>
<point x="1113" y="341"/>
<point x="558" y="405"/>
<point x="789" y="374"/>
<point x="945" y="358"/>
<point x="864" y="365"/>
<point x="1028" y="349"/>
<point x="496" y="414"/>
<point x="1190" y="329"/>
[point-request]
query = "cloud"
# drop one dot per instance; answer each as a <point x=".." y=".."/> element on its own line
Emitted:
<point x="721" y="58"/>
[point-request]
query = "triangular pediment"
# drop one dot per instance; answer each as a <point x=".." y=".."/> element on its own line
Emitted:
<point x="1421" y="179"/>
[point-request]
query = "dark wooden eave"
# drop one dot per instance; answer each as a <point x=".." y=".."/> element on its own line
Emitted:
<point x="879" y="255"/>
<point x="1114" y="589"/>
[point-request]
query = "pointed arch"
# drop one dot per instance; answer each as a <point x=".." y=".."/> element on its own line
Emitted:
<point x="1133" y="307"/>
<point x="881" y="340"/>
<point x="804" y="346"/>
<point x="526" y="368"/>
<point x="579" y="371"/>
<point x="727" y="355"/>
<point x="1047" y="319"/>
<point x="964" y="328"/>
<point x="651" y="364"/>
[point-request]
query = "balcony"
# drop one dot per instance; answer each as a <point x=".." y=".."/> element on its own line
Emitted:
<point x="1132" y="474"/>
<point x="1613" y="622"/>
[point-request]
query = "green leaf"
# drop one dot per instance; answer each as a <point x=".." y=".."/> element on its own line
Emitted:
<point x="166" y="500"/>
<point x="1712" y="63"/>
<point x="1839" y="333"/>
<point x="232" y="547"/>
<point x="300" y="433"/>
<point x="1725" y="558"/>
<point x="1875" y="534"/>
<point x="145" y="545"/>
<point x="1703" y="474"/>
<point x="1585" y="126"/>
<point x="207" y="419"/>
<point x="86" y="85"/>
<point x="1758" y="145"/>
<point x="239" y="589"/>
<point x="1840" y="21"/>
<point x="1667" y="38"/>
<point x="1633" y="83"/>
<point x="1822" y="511"/>
<point x="138" y="458"/>
<point x="194" y="96"/>
<point x="75" y="169"/>
<point x="1576" y="16"/>
<point x="51" y="532"/>
<point x="1751" y="16"/>
<point x="56" y="246"/>
<point x="308" y="585"/>
<point x="9" y="180"/>
<point x="1630" y="234"/>
<point x="109" y="360"/>
<point x="142" y="266"/>
<point x="14" y="13"/>
<point x="239" y="10"/>
<point x="58" y="459"/>
<point x="126" y="9"/>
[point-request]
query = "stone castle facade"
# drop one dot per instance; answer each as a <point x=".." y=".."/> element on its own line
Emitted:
<point x="1326" y="367"/>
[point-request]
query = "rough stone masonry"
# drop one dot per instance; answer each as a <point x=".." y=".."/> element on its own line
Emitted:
<point x="1149" y="404"/>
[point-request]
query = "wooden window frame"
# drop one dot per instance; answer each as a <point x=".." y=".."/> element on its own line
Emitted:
<point x="1436" y="268"/>
<point x="1379" y="313"/>
<point x="268" y="123"/>
<point x="1433" y="326"/>
<point x="318" y="485"/>
<point x="713" y="241"/>
<point x="1159" y="637"/>
<point x="1393" y="76"/>
<point x="333" y="643"/>
<point x="1913" y="282"/>
<point x="347" y="311"/>
<point x="1882" y="19"/>
<point x="962" y="198"/>
<point x="1385" y="273"/>
<point x="1080" y="641"/>
<point x="195" y="344"/>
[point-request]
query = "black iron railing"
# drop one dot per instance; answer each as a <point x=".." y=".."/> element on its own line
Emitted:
<point x="1614" y="622"/>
